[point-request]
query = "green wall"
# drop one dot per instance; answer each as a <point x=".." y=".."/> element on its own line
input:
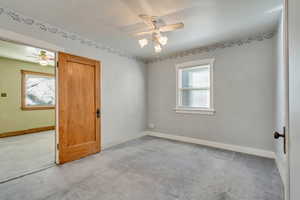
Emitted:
<point x="12" y="118"/>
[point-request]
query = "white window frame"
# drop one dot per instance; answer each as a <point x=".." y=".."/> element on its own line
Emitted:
<point x="194" y="110"/>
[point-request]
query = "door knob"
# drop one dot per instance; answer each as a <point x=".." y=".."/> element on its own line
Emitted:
<point x="278" y="135"/>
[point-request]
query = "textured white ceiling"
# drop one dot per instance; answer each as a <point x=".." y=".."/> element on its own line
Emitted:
<point x="112" y="22"/>
<point x="22" y="52"/>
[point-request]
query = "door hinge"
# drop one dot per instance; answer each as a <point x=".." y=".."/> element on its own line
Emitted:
<point x="57" y="146"/>
<point x="57" y="64"/>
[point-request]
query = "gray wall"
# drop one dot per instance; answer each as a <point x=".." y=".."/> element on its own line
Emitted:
<point x="243" y="94"/>
<point x="123" y="83"/>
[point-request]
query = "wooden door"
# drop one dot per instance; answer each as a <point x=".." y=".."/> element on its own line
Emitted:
<point x="78" y="107"/>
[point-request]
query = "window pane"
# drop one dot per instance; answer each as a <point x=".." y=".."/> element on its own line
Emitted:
<point x="195" y="98"/>
<point x="195" y="77"/>
<point x="40" y="90"/>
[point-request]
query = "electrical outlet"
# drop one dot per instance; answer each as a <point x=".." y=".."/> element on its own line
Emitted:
<point x="151" y="126"/>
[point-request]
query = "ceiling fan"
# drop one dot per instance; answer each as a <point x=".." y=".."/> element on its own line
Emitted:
<point x="156" y="30"/>
<point x="42" y="57"/>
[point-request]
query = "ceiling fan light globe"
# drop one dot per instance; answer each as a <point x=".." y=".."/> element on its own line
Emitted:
<point x="163" y="40"/>
<point x="43" y="62"/>
<point x="143" y="42"/>
<point x="157" y="48"/>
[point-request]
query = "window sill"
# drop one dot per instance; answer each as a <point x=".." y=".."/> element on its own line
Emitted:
<point x="195" y="111"/>
<point x="37" y="107"/>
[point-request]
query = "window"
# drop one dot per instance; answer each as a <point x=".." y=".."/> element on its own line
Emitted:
<point x="195" y="87"/>
<point x="38" y="91"/>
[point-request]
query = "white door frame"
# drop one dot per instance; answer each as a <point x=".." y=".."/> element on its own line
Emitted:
<point x="286" y="64"/>
<point x="17" y="38"/>
<point x="294" y="96"/>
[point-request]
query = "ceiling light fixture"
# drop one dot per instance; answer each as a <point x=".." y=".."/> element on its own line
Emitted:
<point x="44" y="58"/>
<point x="163" y="40"/>
<point x="43" y="62"/>
<point x="156" y="27"/>
<point x="157" y="48"/>
<point x="143" y="42"/>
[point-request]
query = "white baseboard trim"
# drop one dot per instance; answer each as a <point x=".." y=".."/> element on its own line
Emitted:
<point x="230" y="147"/>
<point x="281" y="170"/>
<point x="108" y="145"/>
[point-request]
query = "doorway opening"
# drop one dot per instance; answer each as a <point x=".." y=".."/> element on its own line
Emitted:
<point x="27" y="109"/>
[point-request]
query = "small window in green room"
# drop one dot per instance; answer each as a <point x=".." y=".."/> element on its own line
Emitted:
<point x="38" y="90"/>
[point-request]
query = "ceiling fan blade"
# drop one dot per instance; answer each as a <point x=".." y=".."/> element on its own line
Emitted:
<point x="148" y="20"/>
<point x="145" y="17"/>
<point x="144" y="33"/>
<point x="171" y="27"/>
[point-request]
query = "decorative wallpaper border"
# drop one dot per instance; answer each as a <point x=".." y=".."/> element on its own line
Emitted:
<point x="213" y="47"/>
<point x="12" y="15"/>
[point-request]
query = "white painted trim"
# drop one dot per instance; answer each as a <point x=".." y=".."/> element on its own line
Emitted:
<point x="111" y="144"/>
<point x="182" y="110"/>
<point x="195" y="64"/>
<point x="26" y="40"/>
<point x="56" y="110"/>
<point x="230" y="147"/>
<point x="281" y="170"/>
<point x="286" y="47"/>
<point x="14" y="37"/>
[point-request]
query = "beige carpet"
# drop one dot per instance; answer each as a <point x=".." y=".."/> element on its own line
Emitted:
<point x="22" y="154"/>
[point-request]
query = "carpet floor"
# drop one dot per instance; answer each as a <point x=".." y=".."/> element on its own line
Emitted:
<point x="24" y="153"/>
<point x="150" y="168"/>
